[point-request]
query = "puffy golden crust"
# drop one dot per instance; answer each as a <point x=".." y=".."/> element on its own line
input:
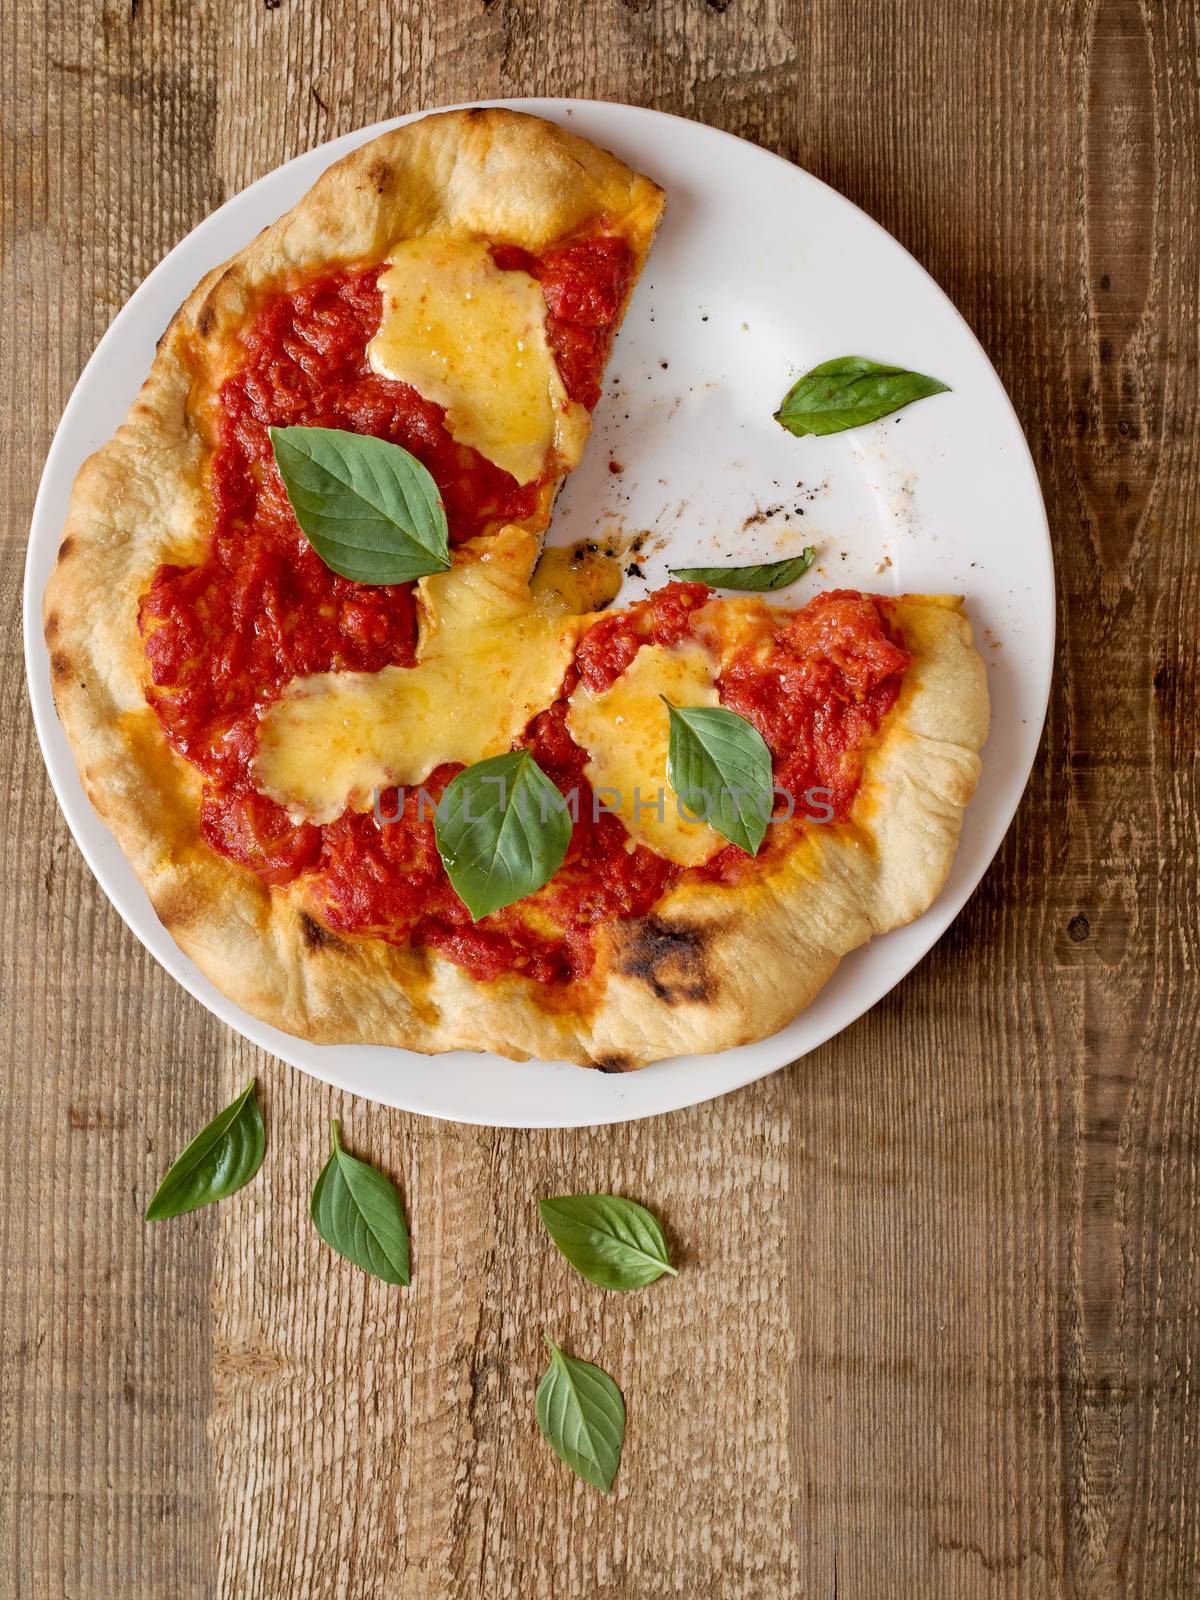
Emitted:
<point x="709" y="968"/>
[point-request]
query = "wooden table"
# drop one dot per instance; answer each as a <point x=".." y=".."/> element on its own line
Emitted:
<point x="936" y="1333"/>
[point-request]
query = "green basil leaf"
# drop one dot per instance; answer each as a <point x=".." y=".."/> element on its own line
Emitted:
<point x="358" y="1213"/>
<point x="219" y="1161"/>
<point x="502" y="830"/>
<point x="770" y="575"/>
<point x="848" y="391"/>
<point x="614" y="1242"/>
<point x="582" y="1416"/>
<point x="368" y="508"/>
<point x="720" y="767"/>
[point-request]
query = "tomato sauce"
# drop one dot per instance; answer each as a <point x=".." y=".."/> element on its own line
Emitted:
<point x="831" y="674"/>
<point x="223" y="638"/>
<point x="386" y="878"/>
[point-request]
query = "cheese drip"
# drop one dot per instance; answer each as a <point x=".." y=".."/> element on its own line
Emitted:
<point x="489" y="658"/>
<point x="626" y="732"/>
<point x="472" y="338"/>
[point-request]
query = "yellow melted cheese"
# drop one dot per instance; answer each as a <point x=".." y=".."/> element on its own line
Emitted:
<point x="489" y="658"/>
<point x="472" y="338"/>
<point x="581" y="576"/>
<point x="625" y="732"/>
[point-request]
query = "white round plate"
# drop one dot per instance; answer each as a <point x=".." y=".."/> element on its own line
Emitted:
<point x="759" y="272"/>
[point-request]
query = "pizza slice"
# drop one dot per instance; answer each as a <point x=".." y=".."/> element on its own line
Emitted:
<point x="273" y="742"/>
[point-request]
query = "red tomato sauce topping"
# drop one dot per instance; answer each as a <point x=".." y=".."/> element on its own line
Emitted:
<point x="224" y="637"/>
<point x="387" y="878"/>
<point x="831" y="674"/>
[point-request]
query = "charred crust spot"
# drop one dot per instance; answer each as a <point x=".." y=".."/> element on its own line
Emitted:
<point x="613" y="1062"/>
<point x="52" y="626"/>
<point x="206" y="321"/>
<point x="379" y="176"/>
<point x="60" y="665"/>
<point x="316" y="936"/>
<point x="671" y="958"/>
<point x="65" y="548"/>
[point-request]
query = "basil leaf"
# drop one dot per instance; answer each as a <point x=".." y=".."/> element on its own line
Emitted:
<point x="582" y="1416"/>
<point x="222" y="1158"/>
<point x="614" y="1242"/>
<point x="502" y="830"/>
<point x="848" y="391"/>
<point x="368" y="508"/>
<point x="770" y="575"/>
<point x="720" y="767"/>
<point x="358" y="1213"/>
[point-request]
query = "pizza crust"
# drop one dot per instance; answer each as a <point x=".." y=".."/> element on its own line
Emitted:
<point x="708" y="968"/>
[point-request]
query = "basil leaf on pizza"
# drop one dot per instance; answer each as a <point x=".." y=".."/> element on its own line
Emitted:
<point x="612" y="1241"/>
<point x="502" y="831"/>
<point x="358" y="1213"/>
<point x="220" y="1160"/>
<point x="369" y="509"/>
<point x="582" y="1417"/>
<point x="848" y="392"/>
<point x="767" y="575"/>
<point x="719" y="766"/>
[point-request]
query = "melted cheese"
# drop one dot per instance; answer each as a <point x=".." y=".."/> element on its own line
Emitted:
<point x="581" y="577"/>
<point x="472" y="338"/>
<point x="728" y="627"/>
<point x="626" y="731"/>
<point x="488" y="660"/>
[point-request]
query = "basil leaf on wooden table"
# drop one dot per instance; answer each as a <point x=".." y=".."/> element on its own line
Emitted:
<point x="582" y="1416"/>
<point x="768" y="575"/>
<point x="719" y="766"/>
<point x="502" y="830"/>
<point x="849" y="391"/>
<point x="220" y="1160"/>
<point x="368" y="508"/>
<point x="358" y="1213"/>
<point x="612" y="1241"/>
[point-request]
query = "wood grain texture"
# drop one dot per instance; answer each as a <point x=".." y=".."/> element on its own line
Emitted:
<point x="938" y="1326"/>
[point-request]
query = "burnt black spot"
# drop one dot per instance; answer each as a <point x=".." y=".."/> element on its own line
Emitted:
<point x="614" y="1062"/>
<point x="672" y="958"/>
<point x="316" y="936"/>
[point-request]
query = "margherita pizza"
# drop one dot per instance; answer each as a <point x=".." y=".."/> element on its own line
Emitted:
<point x="288" y="748"/>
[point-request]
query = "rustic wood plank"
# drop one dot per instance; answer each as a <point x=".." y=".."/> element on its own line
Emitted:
<point x="936" y="1332"/>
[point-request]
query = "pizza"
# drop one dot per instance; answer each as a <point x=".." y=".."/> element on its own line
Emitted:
<point x="273" y="742"/>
